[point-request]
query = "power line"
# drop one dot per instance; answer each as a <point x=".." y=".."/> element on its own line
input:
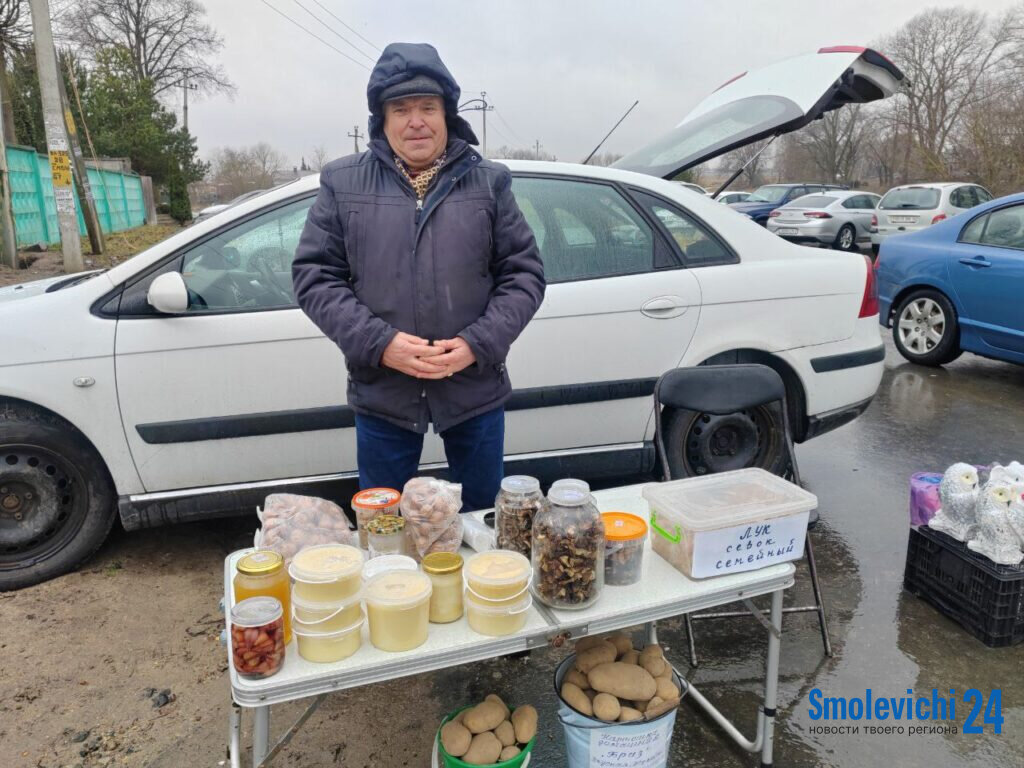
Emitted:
<point x="313" y="34"/>
<point x="510" y="128"/>
<point x="346" y="26"/>
<point x="334" y="32"/>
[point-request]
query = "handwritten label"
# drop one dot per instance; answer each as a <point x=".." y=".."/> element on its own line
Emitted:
<point x="635" y="747"/>
<point x="60" y="168"/>
<point x="749" y="547"/>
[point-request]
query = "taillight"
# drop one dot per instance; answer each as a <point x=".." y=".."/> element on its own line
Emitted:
<point x="869" y="304"/>
<point x="874" y="222"/>
<point x="817" y="215"/>
<point x="774" y="214"/>
<point x="938" y="218"/>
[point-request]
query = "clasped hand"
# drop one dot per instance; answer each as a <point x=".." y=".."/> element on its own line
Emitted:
<point x="420" y="359"/>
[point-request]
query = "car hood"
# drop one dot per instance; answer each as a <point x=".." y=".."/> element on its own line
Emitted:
<point x="747" y="207"/>
<point x="37" y="287"/>
<point x="770" y="101"/>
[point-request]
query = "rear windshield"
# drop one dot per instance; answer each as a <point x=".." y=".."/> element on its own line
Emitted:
<point x="769" y="193"/>
<point x="910" y="199"/>
<point x="812" y="201"/>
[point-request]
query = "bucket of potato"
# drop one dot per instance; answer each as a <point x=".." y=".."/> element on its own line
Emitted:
<point x="488" y="734"/>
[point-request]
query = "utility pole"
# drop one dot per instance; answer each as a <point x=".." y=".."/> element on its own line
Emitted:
<point x="536" y="149"/>
<point x="86" y="201"/>
<point x="356" y="137"/>
<point x="8" y="239"/>
<point x="484" y="107"/>
<point x="56" y="137"/>
<point x="188" y="87"/>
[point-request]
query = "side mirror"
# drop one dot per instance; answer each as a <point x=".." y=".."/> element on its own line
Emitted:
<point x="168" y="294"/>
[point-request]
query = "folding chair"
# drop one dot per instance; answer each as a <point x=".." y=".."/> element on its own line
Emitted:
<point x="720" y="390"/>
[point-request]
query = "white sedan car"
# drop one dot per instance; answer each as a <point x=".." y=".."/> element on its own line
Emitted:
<point x="185" y="383"/>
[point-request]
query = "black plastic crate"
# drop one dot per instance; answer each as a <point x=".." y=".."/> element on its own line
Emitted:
<point x="984" y="598"/>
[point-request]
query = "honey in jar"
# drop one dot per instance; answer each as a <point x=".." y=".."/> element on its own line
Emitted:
<point x="262" y="574"/>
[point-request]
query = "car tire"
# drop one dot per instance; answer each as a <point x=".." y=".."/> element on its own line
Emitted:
<point x="846" y="238"/>
<point x="57" y="501"/>
<point x="700" y="443"/>
<point x="925" y="328"/>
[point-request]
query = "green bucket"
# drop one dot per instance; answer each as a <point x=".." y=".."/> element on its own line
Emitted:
<point x="519" y="761"/>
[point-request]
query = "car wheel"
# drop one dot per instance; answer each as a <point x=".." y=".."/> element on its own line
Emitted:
<point x="703" y="443"/>
<point x="925" y="329"/>
<point x="56" y="498"/>
<point x="846" y="240"/>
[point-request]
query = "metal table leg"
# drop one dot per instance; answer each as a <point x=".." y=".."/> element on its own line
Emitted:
<point x="234" y="733"/>
<point x="260" y="734"/>
<point x="771" y="680"/>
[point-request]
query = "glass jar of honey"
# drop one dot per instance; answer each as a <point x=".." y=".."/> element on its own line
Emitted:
<point x="262" y="574"/>
<point x="445" y="572"/>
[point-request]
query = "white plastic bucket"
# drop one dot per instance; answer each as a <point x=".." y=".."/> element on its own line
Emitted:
<point x="592" y="743"/>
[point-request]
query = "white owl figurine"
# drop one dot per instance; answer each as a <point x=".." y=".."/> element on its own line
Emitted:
<point x="994" y="537"/>
<point x="1011" y="474"/>
<point x="958" y="494"/>
<point x="1016" y="513"/>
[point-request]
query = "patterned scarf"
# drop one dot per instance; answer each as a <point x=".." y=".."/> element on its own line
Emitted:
<point x="421" y="181"/>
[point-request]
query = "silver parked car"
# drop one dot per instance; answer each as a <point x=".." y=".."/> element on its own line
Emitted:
<point x="733" y="197"/>
<point x="916" y="206"/>
<point x="840" y="219"/>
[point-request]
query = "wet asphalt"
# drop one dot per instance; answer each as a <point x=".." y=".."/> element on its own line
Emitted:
<point x="883" y="637"/>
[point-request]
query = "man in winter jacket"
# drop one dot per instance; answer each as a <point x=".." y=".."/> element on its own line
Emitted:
<point x="416" y="261"/>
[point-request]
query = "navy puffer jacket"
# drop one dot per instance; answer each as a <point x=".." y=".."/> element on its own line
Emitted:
<point x="370" y="263"/>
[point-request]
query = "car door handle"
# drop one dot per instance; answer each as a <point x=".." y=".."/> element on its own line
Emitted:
<point x="664" y="307"/>
<point x="977" y="261"/>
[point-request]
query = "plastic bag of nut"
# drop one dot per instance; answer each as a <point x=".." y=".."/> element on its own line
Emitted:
<point x="431" y="509"/>
<point x="291" y="522"/>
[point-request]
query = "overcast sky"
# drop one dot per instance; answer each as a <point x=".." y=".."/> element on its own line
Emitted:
<point x="558" y="72"/>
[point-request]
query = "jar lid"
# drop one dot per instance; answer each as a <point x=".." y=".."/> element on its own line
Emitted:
<point x="396" y="588"/>
<point x="498" y="568"/>
<point x="326" y="562"/>
<point x="376" y="498"/>
<point x="442" y="562"/>
<point x="385" y="524"/>
<point x="256" y="611"/>
<point x="622" y="526"/>
<point x="383" y="563"/>
<point x="570" y="481"/>
<point x="520" y="484"/>
<point x="263" y="562"/>
<point x="569" y="493"/>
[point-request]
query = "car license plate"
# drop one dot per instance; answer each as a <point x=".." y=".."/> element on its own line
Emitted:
<point x="903" y="219"/>
<point x="783" y="231"/>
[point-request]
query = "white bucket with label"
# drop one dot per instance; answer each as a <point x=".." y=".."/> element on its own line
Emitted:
<point x="593" y="743"/>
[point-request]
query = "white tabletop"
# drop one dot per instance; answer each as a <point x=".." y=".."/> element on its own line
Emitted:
<point x="662" y="592"/>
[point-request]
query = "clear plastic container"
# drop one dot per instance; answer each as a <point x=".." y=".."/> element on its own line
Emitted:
<point x="257" y="637"/>
<point x="624" y="535"/>
<point x="517" y="504"/>
<point x="386" y="536"/>
<point x="326" y="573"/>
<point x="262" y="573"/>
<point x="309" y="616"/>
<point x="388" y="563"/>
<point x="728" y="522"/>
<point x="445" y="572"/>
<point x="568" y="548"/>
<point x="498" y="574"/>
<point x="372" y="502"/>
<point x="325" y="647"/>
<point x="497" y="618"/>
<point x="398" y="609"/>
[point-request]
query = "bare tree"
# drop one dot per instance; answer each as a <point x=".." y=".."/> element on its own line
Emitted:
<point x="267" y="161"/>
<point x="169" y="40"/>
<point x="756" y="164"/>
<point x="516" y="153"/>
<point x="834" y="143"/>
<point x="236" y="171"/>
<point x="15" y="36"/>
<point x="319" y="157"/>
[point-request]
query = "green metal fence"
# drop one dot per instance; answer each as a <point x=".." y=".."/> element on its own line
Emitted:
<point x="119" y="203"/>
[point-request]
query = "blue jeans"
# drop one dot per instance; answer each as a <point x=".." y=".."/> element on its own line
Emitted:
<point x="389" y="456"/>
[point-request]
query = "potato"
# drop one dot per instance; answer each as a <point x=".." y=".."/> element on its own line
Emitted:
<point x="588" y="642"/>
<point x="654" y="702"/>
<point x="497" y="699"/>
<point x="506" y="733"/>
<point x="628" y="714"/>
<point x="524" y="720"/>
<point x="458" y="718"/>
<point x="485" y="716"/>
<point x="655" y="665"/>
<point x="508" y="753"/>
<point x="606" y="707"/>
<point x="622" y="643"/>
<point x="653" y="650"/>
<point x="577" y="678"/>
<point x="590" y="693"/>
<point x="630" y="657"/>
<point x="666" y="689"/>
<point x="597" y="654"/>
<point x="576" y="699"/>
<point x="626" y="681"/>
<point x="455" y="738"/>
<point x="484" y="749"/>
<point x="657" y="707"/>
<point x="640" y="705"/>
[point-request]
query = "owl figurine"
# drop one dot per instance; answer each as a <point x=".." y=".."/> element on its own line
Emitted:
<point x="958" y="493"/>
<point x="1011" y="474"/>
<point x="1016" y="513"/>
<point x="994" y="537"/>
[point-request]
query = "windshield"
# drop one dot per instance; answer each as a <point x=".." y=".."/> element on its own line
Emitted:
<point x="704" y="137"/>
<point x="911" y="199"/>
<point x="770" y="193"/>
<point x="812" y="201"/>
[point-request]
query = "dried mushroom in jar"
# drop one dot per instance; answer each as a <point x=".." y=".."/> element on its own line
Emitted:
<point x="518" y="503"/>
<point x="568" y="549"/>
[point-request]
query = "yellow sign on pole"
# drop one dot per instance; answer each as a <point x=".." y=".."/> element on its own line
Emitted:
<point x="60" y="168"/>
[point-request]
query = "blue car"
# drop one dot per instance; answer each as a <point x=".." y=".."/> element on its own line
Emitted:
<point x="768" y="197"/>
<point x="957" y="286"/>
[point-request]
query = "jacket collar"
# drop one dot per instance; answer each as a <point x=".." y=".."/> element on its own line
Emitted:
<point x="381" y="149"/>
